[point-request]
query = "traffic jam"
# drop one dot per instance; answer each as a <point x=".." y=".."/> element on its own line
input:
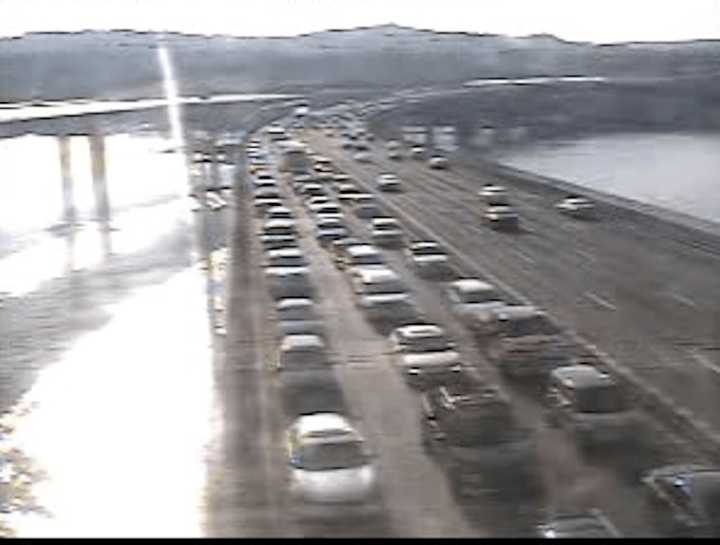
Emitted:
<point x="472" y="356"/>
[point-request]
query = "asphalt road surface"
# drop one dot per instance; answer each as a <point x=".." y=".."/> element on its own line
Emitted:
<point x="419" y="502"/>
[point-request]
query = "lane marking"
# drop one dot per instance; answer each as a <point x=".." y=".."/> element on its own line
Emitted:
<point x="523" y="256"/>
<point x="600" y="301"/>
<point x="705" y="361"/>
<point x="586" y="255"/>
<point x="685" y="300"/>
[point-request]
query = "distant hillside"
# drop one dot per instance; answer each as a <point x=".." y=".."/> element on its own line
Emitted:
<point x="124" y="64"/>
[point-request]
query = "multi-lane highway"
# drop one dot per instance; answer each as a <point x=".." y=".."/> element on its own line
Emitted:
<point x="648" y="298"/>
<point x="572" y="269"/>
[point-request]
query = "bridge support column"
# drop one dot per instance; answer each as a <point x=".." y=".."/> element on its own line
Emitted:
<point x="102" y="199"/>
<point x="69" y="213"/>
<point x="99" y="175"/>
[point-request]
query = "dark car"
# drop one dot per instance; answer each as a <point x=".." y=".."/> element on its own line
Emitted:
<point x="686" y="499"/>
<point x="502" y="218"/>
<point x="470" y="428"/>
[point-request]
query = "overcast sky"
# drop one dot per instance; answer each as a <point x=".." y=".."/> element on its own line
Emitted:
<point x="580" y="20"/>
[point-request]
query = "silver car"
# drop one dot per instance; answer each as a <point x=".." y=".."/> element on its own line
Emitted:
<point x="332" y="473"/>
<point x="297" y="316"/>
<point x="425" y="354"/>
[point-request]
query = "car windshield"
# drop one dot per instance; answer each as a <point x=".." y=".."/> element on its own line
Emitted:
<point x="431" y="250"/>
<point x="600" y="399"/>
<point x="304" y="359"/>
<point x="386" y="286"/>
<point x="479" y="296"/>
<point x="369" y="259"/>
<point x="428" y="344"/>
<point x="386" y="227"/>
<point x="279" y="230"/>
<point x="329" y="456"/>
<point x="287" y="261"/>
<point x="535" y="325"/>
<point x="297" y="313"/>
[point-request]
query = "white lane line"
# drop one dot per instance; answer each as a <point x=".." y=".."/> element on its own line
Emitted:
<point x="705" y="361"/>
<point x="600" y="301"/>
<point x="586" y="255"/>
<point x="685" y="300"/>
<point x="524" y="256"/>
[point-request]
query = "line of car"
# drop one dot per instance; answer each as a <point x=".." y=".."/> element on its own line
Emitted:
<point x="579" y="396"/>
<point x="467" y="424"/>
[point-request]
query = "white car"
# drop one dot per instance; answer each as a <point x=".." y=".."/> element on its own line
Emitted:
<point x="438" y="162"/>
<point x="327" y="210"/>
<point x="332" y="472"/>
<point x="285" y="258"/>
<point x="429" y="260"/>
<point x="576" y="206"/>
<point x="278" y="213"/>
<point x="297" y="316"/>
<point x="473" y="301"/>
<point x="389" y="182"/>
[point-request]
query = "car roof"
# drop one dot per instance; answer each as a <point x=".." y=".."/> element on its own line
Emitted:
<point x="384" y="221"/>
<point x="329" y="221"/>
<point x="279" y="222"/>
<point x="424" y="244"/>
<point x="517" y="312"/>
<point x="420" y="331"/>
<point x="295" y="342"/>
<point x="377" y="275"/>
<point x="324" y="425"/>
<point x="286" y="252"/>
<point x="293" y="302"/>
<point x="472" y="284"/>
<point x="582" y="376"/>
<point x="362" y="249"/>
<point x="501" y="208"/>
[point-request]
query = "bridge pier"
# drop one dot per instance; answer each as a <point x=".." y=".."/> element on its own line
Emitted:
<point x="69" y="215"/>
<point x="100" y="190"/>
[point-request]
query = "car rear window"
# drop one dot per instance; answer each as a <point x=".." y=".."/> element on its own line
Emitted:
<point x="328" y="456"/>
<point x="535" y="325"/>
<point x="600" y="399"/>
<point x="387" y="286"/>
<point x="304" y="359"/>
<point x="428" y="344"/>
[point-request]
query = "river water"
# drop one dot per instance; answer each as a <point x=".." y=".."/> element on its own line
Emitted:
<point x="106" y="383"/>
<point x="680" y="172"/>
